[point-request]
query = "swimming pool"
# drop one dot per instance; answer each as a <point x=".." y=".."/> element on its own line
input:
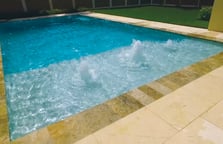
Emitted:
<point x="56" y="67"/>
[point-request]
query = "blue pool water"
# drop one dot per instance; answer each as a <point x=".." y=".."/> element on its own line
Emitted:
<point x="57" y="67"/>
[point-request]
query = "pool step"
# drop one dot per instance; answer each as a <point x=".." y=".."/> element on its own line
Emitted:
<point x="89" y="121"/>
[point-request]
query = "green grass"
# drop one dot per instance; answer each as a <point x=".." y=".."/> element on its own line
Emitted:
<point x="180" y="16"/>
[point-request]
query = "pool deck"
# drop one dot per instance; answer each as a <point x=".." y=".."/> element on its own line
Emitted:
<point x="184" y="107"/>
<point x="185" y="30"/>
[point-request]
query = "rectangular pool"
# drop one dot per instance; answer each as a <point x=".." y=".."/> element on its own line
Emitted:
<point x="57" y="67"/>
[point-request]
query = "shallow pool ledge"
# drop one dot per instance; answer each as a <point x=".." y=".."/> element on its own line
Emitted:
<point x="184" y="30"/>
<point x="91" y="120"/>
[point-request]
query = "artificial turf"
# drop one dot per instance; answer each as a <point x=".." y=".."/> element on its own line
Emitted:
<point x="180" y="16"/>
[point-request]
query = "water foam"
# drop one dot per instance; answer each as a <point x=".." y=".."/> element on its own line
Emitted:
<point x="87" y="75"/>
<point x="168" y="43"/>
<point x="137" y="54"/>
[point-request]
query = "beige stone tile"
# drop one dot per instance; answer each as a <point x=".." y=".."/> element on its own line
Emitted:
<point x="124" y="105"/>
<point x="207" y="88"/>
<point x="38" y="137"/>
<point x="174" y="109"/>
<point x="213" y="62"/>
<point x="210" y="34"/>
<point x="185" y="104"/>
<point x="220" y="36"/>
<point x="201" y="68"/>
<point x="218" y="72"/>
<point x="178" y="78"/>
<point x="219" y="57"/>
<point x="198" y="132"/>
<point x="114" y="18"/>
<point x="141" y="96"/>
<point x="215" y="115"/>
<point x="4" y="131"/>
<point x="60" y="132"/>
<point x="2" y="92"/>
<point x="150" y="92"/>
<point x="160" y="88"/>
<point x="88" y="140"/>
<point x="84" y="123"/>
<point x="190" y="74"/>
<point x="141" y="126"/>
<point x="4" y="139"/>
<point x="168" y="83"/>
<point x="126" y="139"/>
<point x="3" y="109"/>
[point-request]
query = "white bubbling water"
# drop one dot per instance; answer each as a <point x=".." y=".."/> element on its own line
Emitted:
<point x="168" y="43"/>
<point x="137" y="49"/>
<point x="87" y="75"/>
<point x="135" y="54"/>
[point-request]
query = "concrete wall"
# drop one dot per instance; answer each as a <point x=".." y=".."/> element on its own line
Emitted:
<point x="216" y="21"/>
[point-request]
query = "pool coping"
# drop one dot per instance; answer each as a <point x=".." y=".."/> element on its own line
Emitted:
<point x="179" y="29"/>
<point x="124" y="104"/>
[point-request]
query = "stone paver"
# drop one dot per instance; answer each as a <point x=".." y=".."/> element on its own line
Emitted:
<point x="140" y="127"/>
<point x="199" y="131"/>
<point x="139" y="95"/>
<point x="190" y="101"/>
<point x="4" y="129"/>
<point x="215" y="115"/>
<point x="160" y="88"/>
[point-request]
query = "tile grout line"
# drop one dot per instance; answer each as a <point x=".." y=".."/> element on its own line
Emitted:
<point x="201" y="115"/>
<point x="198" y="117"/>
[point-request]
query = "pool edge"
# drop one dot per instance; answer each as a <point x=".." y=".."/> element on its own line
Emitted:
<point x="173" y="28"/>
<point x="4" y="127"/>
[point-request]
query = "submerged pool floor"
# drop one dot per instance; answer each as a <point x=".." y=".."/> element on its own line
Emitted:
<point x="47" y="83"/>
